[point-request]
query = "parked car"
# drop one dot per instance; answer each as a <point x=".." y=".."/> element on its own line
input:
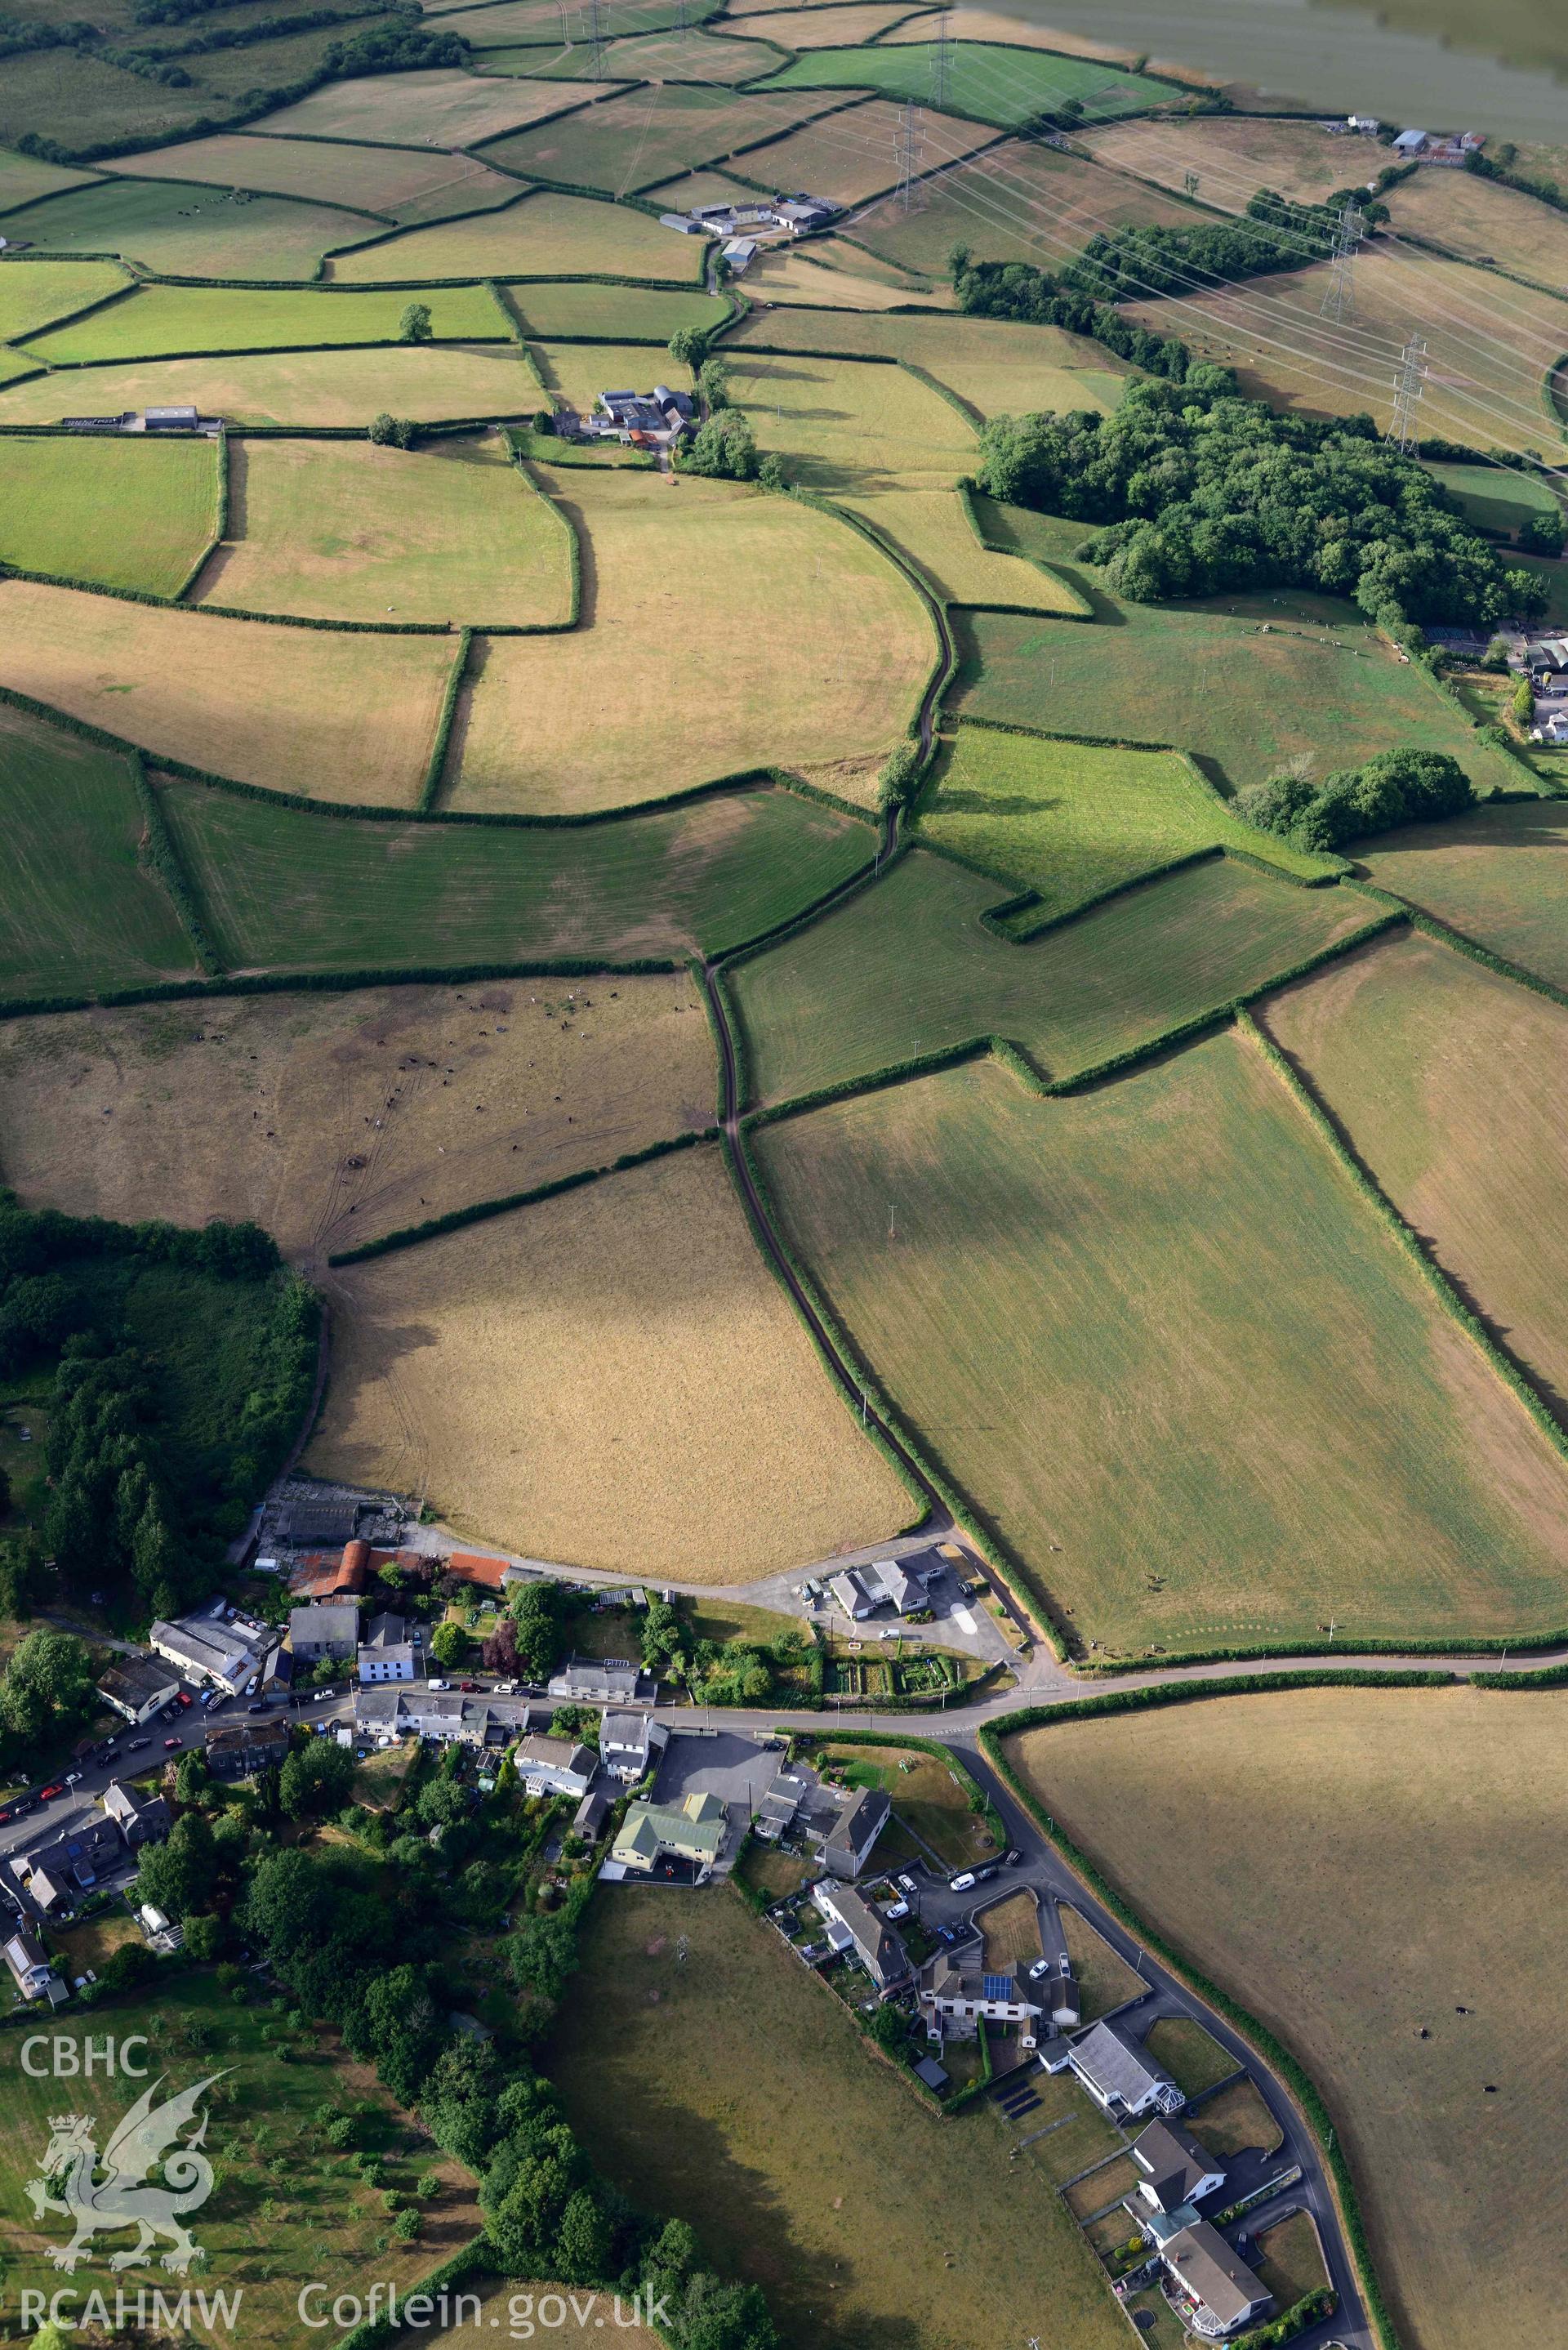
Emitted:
<point x="135" y="1745"/>
<point x="323" y="1695"/>
<point x="1041" y="1967"/>
<point x="963" y="1884"/>
<point x="905" y="1883"/>
<point x="73" y="1778"/>
<point x="257" y="1708"/>
<point x="170" y="1743"/>
<point x="184" y="1697"/>
<point x="56" y="1787"/>
<point x="1011" y="1859"/>
<point x="896" y="1909"/>
<point x="4" y="1817"/>
<point x="469" y="1687"/>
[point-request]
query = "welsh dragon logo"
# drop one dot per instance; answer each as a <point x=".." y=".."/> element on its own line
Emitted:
<point x="123" y="2196"/>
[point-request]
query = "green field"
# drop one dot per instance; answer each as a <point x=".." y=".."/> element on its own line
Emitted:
<point x="122" y="513"/>
<point x="287" y="2208"/>
<point x="540" y="235"/>
<point x="1315" y="1852"/>
<point x="625" y="313"/>
<point x="291" y="889"/>
<point x="79" y="909"/>
<point x="34" y="292"/>
<point x="629" y="142"/>
<point x="1174" y="1359"/>
<point x="23" y="178"/>
<point x="193" y="232"/>
<point x="907" y="967"/>
<point x="1447" y="1080"/>
<point x="997" y="366"/>
<point x="1248" y="704"/>
<point x="1499" y="877"/>
<point x="992" y="81"/>
<point x="843" y="424"/>
<point x="997" y="205"/>
<point x="932" y="529"/>
<point x="427" y="382"/>
<point x="1495" y="498"/>
<point x="729" y="2091"/>
<point x="164" y="320"/>
<point x="1071" y="820"/>
<point x="342" y="530"/>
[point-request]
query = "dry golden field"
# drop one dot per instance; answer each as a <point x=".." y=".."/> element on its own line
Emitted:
<point x="850" y="282"/>
<point x="613" y="1378"/>
<point x="685" y="668"/>
<point x="1481" y="220"/>
<point x="328" y="716"/>
<point x="297" y="387"/>
<point x="1014" y="202"/>
<point x="1235" y="155"/>
<point x="544" y="233"/>
<point x="1374" y="1875"/>
<point x="843" y="424"/>
<point x="332" y="1118"/>
<point x="1449" y="1083"/>
<point x="830" y="28"/>
<point x="348" y="531"/>
<point x="852" y="154"/>
<point x="421" y="108"/>
<point x="398" y="181"/>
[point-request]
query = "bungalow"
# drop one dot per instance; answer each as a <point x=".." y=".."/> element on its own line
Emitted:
<point x="845" y="1847"/>
<point x="389" y="1651"/>
<point x="854" y="1924"/>
<point x="238" y="1749"/>
<point x="31" y="1970"/>
<point x="141" y="1819"/>
<point x="885" y="1583"/>
<point x="1177" y="2172"/>
<point x="554" y="1766"/>
<point x="319" y="1634"/>
<point x="1120" y="2078"/>
<point x="693" y="1830"/>
<point x="602" y="1680"/>
<point x="629" y="1742"/>
<point x="138" y="1688"/>
<point x="954" y="1994"/>
<point x="1219" y="2292"/>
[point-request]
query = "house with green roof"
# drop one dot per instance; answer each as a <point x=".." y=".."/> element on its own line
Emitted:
<point x="655" y="1834"/>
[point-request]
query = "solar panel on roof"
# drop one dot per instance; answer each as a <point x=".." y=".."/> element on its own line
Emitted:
<point x="996" y="1986"/>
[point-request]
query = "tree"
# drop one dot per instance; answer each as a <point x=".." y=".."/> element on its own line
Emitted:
<point x="192" y="1780"/>
<point x="583" y="2241"/>
<point x="1542" y="533"/>
<point x="713" y="382"/>
<point x="449" y="1643"/>
<point x="770" y="472"/>
<point x="544" y="420"/>
<point x="316" y="1778"/>
<point x="890" y="2028"/>
<point x="393" y="431"/>
<point x="499" y="1649"/>
<point x="414" y="325"/>
<point x="1523" y="702"/>
<point x="538" y="1612"/>
<point x="179" y="1875"/>
<point x="687" y="346"/>
<point x="542" y="1955"/>
<point x="724" y="447"/>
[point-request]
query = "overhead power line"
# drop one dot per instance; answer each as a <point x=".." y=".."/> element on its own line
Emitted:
<point x="1409" y="385"/>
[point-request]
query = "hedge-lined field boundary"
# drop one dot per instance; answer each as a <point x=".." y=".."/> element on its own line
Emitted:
<point x="220" y="519"/>
<point x="376" y="2332"/>
<point x="1272" y="2052"/>
<point x="166" y="861"/>
<point x="1080" y="610"/>
<point x="436" y="765"/>
<point x="1432" y="926"/>
<point x="481" y="1210"/>
<point x="1404" y="1233"/>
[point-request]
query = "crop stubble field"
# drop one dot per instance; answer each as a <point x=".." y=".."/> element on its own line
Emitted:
<point x="1075" y="1295"/>
<point x="331" y="1119"/>
<point x="666" y="1416"/>
<point x="1313" y="1851"/>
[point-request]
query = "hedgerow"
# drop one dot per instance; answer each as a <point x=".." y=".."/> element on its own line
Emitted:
<point x="169" y="866"/>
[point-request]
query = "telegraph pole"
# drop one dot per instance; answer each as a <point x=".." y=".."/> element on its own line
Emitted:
<point x="1409" y="385"/>
<point x="1339" y="295"/>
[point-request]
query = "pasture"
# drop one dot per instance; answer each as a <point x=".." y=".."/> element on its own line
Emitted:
<point x="837" y="276"/>
<point x="121" y="513"/>
<point x="536" y="236"/>
<point x="317" y="387"/>
<point x="1445" y="1080"/>
<point x="24" y="178"/>
<point x="692" y="55"/>
<point x="993" y="81"/>
<point x="299" y="709"/>
<point x="1000" y="203"/>
<point x="848" y="156"/>
<point x="438" y="106"/>
<point x="822" y="27"/>
<point x="539" y="21"/>
<point x="1495" y="499"/>
<point x="287" y="2208"/>
<point x="164" y="321"/>
<point x="667" y="1416"/>
<point x="996" y="366"/>
<point x="32" y="293"/>
<point x="355" y="1111"/>
<point x="1312" y="1852"/>
<point x="1481" y="220"/>
<point x="1248" y="705"/>
<point x="78" y="909"/>
<point x="638" y="137"/>
<point x="1234" y="155"/>
<point x="344" y="530"/>
<point x="1499" y="875"/>
<point x="193" y="232"/>
<point x="932" y="528"/>
<point x="1072" y="1299"/>
<point x="1072" y="821"/>
<point x="578" y="372"/>
<point x="727" y="2090"/>
<point x="907" y="967"/>
<point x="626" y="313"/>
<point x="842" y="424"/>
<point x="293" y="890"/>
<point x="400" y="184"/>
<point x="649" y="695"/>
<point x="1483" y="386"/>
